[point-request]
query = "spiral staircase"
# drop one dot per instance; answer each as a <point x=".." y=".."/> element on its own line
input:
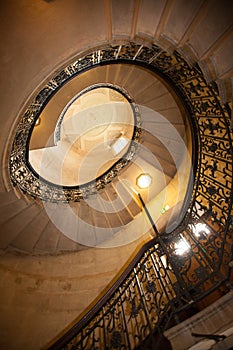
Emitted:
<point x="100" y="277"/>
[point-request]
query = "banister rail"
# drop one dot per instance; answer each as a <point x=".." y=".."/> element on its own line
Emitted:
<point x="96" y="308"/>
<point x="132" y="277"/>
<point x="151" y="290"/>
<point x="174" y="270"/>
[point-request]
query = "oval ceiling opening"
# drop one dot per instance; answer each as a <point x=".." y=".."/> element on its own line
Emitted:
<point x="92" y="133"/>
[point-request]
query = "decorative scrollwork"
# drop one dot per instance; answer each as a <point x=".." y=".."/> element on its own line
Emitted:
<point x="35" y="185"/>
<point x="162" y="281"/>
<point x="211" y="118"/>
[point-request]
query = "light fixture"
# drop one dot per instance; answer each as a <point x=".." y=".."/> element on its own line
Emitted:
<point x="143" y="181"/>
<point x="119" y="145"/>
<point x="181" y="246"/>
<point x="200" y="229"/>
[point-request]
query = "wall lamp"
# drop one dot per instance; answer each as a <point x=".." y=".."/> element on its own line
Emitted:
<point x="143" y="181"/>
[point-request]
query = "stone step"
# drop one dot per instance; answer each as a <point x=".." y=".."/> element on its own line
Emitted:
<point x="7" y="198"/>
<point x="167" y="167"/>
<point x="164" y="127"/>
<point x="163" y="149"/>
<point x="30" y="235"/>
<point x="48" y="240"/>
<point x="100" y="220"/>
<point x="14" y="226"/>
<point x="126" y="197"/>
<point x="67" y="244"/>
<point x="113" y="216"/>
<point x="174" y="146"/>
<point x="170" y="114"/>
<point x="98" y="215"/>
<point x="143" y="90"/>
<point x="158" y="104"/>
<point x="86" y="234"/>
<point x="155" y="152"/>
<point x="125" y="206"/>
<point x="12" y="209"/>
<point x="127" y="72"/>
<point x="133" y="84"/>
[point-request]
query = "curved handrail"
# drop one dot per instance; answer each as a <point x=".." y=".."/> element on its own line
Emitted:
<point x="154" y="273"/>
<point x="160" y="280"/>
<point x="63" y="340"/>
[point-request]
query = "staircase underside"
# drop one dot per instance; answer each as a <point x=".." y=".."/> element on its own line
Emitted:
<point x="47" y="280"/>
<point x="101" y="219"/>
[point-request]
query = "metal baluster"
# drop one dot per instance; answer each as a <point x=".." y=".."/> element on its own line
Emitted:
<point x="142" y="295"/>
<point x="124" y="321"/>
<point x="135" y="318"/>
<point x="160" y="279"/>
<point x="104" y="330"/>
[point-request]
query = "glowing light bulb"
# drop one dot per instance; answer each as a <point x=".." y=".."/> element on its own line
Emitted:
<point x="199" y="229"/>
<point x="181" y="247"/>
<point x="144" y="180"/>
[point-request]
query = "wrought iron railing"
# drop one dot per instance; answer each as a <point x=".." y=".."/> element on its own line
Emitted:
<point x="163" y="280"/>
<point x="174" y="270"/>
<point x="144" y="298"/>
<point x="157" y="285"/>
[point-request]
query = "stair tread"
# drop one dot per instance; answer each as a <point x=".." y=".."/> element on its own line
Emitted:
<point x="174" y="146"/>
<point x="122" y="202"/>
<point x="171" y="114"/>
<point x="12" y="209"/>
<point x="67" y="244"/>
<point x="154" y="89"/>
<point x="97" y="212"/>
<point x="142" y="91"/>
<point x="134" y="85"/>
<point x="164" y="127"/>
<point x="154" y="153"/>
<point x="27" y="239"/>
<point x="112" y="215"/>
<point x="164" y="132"/>
<point x="7" y="198"/>
<point x="12" y="228"/>
<point x="167" y="167"/>
<point x="159" y="152"/>
<point x="47" y="242"/>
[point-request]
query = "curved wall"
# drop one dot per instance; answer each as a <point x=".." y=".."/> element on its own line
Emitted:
<point x="38" y="38"/>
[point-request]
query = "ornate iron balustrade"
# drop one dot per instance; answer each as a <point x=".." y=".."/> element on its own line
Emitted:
<point x="200" y="98"/>
<point x="161" y="281"/>
<point x="143" y="299"/>
<point x="157" y="285"/>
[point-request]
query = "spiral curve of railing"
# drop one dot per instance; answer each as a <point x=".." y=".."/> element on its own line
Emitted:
<point x="159" y="282"/>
